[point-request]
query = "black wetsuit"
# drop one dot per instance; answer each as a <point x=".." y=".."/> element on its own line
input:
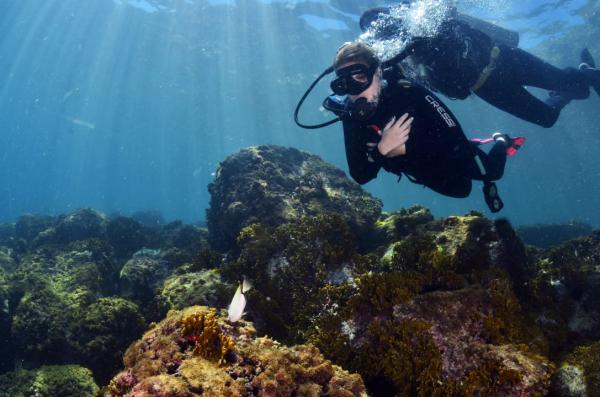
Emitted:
<point x="453" y="60"/>
<point x="438" y="155"/>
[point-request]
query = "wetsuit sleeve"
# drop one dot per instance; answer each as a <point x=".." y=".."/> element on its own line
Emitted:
<point x="362" y="163"/>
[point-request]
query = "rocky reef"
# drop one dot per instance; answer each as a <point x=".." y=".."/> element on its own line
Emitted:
<point x="354" y="301"/>
<point x="197" y="352"/>
<point x="79" y="288"/>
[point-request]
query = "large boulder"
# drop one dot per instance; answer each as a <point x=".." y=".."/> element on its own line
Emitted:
<point x="273" y="185"/>
<point x="198" y="352"/>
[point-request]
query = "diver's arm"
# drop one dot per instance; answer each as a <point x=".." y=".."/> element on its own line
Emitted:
<point x="413" y="47"/>
<point x="364" y="162"/>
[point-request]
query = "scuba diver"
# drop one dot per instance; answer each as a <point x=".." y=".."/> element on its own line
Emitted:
<point x="400" y="126"/>
<point x="468" y="55"/>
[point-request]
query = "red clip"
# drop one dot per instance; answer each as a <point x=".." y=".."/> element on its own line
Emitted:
<point x="375" y="128"/>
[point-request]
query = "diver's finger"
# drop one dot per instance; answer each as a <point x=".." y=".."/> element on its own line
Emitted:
<point x="390" y="123"/>
<point x="405" y="129"/>
<point x="406" y="122"/>
<point x="402" y="118"/>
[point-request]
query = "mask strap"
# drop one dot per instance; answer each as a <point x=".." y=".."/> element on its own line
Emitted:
<point x="314" y="126"/>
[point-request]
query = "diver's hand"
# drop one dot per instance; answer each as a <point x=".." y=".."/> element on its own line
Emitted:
<point x="394" y="136"/>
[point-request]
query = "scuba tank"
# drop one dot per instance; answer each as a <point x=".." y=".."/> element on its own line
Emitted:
<point x="498" y="34"/>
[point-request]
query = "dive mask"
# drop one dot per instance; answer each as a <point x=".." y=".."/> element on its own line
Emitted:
<point x="353" y="79"/>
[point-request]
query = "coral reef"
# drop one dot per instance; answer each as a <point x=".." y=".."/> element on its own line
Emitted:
<point x="197" y="352"/>
<point x="49" y="381"/>
<point x="273" y="185"/>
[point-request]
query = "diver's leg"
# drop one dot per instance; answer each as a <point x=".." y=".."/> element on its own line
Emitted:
<point x="488" y="166"/>
<point x="589" y="69"/>
<point x="528" y="70"/>
<point x="516" y="100"/>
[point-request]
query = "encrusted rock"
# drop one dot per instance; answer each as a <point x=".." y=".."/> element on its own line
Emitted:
<point x="273" y="185"/>
<point x="196" y="352"/>
<point x="196" y="288"/>
<point x="399" y="224"/>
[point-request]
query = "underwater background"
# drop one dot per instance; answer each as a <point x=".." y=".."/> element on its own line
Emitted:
<point x="166" y="229"/>
<point x="130" y="105"/>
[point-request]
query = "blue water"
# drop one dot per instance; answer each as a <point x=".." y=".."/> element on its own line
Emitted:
<point x="128" y="105"/>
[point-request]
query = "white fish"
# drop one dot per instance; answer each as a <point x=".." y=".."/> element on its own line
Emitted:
<point x="69" y="93"/>
<point x="238" y="303"/>
<point x="246" y="285"/>
<point x="82" y="123"/>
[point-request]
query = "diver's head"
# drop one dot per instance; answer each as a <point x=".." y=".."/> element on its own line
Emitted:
<point x="358" y="72"/>
<point x="372" y="15"/>
<point x="359" y="76"/>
